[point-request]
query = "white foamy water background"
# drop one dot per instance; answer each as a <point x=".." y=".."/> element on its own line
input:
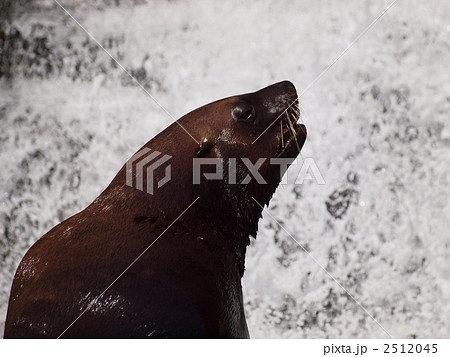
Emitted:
<point x="378" y="124"/>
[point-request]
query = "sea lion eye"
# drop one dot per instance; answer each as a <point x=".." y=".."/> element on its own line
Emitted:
<point x="247" y="115"/>
<point x="244" y="113"/>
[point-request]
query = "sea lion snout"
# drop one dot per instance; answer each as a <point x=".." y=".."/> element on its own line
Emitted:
<point x="264" y="106"/>
<point x="278" y="97"/>
<point x="282" y="91"/>
<point x="284" y="86"/>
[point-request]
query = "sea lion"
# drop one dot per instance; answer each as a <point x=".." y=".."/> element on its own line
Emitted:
<point x="170" y="263"/>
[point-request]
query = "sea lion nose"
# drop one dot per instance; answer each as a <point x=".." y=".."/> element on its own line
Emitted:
<point x="282" y="92"/>
<point x="277" y="98"/>
<point x="285" y="85"/>
<point x="286" y="90"/>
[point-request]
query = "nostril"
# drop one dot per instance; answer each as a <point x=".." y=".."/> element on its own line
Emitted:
<point x="243" y="112"/>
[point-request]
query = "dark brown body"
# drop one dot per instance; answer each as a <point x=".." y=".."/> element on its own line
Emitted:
<point x="188" y="281"/>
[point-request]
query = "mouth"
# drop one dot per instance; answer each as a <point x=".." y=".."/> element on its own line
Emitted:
<point x="290" y="130"/>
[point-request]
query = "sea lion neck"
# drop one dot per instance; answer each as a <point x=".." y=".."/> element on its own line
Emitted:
<point x="236" y="225"/>
<point x="239" y="211"/>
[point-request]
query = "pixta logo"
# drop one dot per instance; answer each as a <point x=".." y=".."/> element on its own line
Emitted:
<point x="142" y="170"/>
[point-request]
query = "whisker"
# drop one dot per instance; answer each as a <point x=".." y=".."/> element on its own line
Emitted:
<point x="298" y="110"/>
<point x="295" y="137"/>
<point x="299" y="118"/>
<point x="291" y="125"/>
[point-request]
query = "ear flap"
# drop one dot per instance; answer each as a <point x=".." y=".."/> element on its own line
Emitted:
<point x="205" y="148"/>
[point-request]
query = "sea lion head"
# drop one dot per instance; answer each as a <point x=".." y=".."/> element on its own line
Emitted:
<point x="253" y="127"/>
<point x="249" y="129"/>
